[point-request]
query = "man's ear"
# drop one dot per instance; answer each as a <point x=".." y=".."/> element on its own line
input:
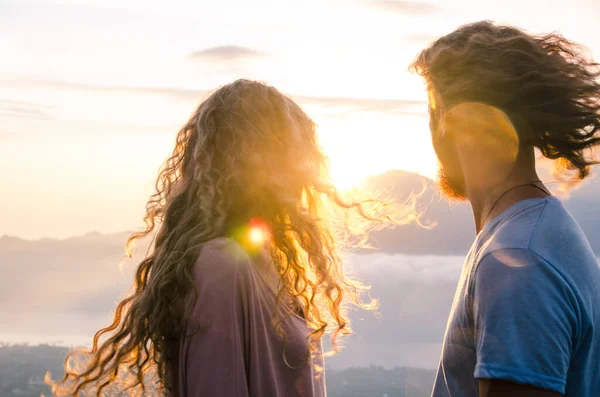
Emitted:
<point x="486" y="127"/>
<point x="484" y="138"/>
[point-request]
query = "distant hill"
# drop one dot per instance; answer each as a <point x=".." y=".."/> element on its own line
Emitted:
<point x="22" y="370"/>
<point x="454" y="231"/>
<point x="376" y="381"/>
<point x="452" y="235"/>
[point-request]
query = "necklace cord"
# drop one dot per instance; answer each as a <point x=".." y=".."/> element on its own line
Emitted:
<point x="532" y="184"/>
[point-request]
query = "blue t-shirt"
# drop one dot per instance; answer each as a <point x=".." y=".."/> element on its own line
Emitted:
<point x="527" y="307"/>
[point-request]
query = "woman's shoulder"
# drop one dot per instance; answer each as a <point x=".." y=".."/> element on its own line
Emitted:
<point x="224" y="255"/>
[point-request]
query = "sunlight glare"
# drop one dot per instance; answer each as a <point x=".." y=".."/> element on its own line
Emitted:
<point x="365" y="144"/>
<point x="257" y="235"/>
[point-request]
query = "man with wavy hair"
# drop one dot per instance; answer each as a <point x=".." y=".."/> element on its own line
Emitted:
<point x="525" y="320"/>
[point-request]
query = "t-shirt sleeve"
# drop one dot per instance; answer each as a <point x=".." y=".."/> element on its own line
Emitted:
<point x="525" y="320"/>
<point x="213" y="357"/>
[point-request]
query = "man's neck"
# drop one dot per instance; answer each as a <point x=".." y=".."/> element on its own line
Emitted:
<point x="487" y="202"/>
<point x="497" y="171"/>
<point x="492" y="186"/>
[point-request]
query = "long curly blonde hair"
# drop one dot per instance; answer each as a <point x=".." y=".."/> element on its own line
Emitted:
<point x="248" y="152"/>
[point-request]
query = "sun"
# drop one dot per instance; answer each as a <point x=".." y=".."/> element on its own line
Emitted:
<point x="371" y="144"/>
<point x="346" y="176"/>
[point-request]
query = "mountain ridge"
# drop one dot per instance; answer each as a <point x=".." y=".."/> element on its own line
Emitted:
<point x="452" y="234"/>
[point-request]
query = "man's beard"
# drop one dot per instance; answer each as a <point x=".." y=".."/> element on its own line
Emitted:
<point x="450" y="179"/>
<point x="453" y="189"/>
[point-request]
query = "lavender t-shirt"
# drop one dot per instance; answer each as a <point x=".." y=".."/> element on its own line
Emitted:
<point x="236" y="352"/>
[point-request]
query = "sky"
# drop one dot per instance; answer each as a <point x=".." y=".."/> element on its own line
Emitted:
<point x="93" y="92"/>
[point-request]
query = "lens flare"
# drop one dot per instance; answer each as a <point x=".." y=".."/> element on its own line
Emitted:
<point x="257" y="235"/>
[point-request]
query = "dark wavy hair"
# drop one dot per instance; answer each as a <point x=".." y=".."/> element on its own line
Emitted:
<point x="248" y="152"/>
<point x="547" y="85"/>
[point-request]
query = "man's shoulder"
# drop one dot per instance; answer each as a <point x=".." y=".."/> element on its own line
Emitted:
<point x="543" y="231"/>
<point x="514" y="231"/>
<point x="558" y="237"/>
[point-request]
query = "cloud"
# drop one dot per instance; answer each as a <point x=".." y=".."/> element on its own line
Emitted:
<point x="421" y="38"/>
<point x="406" y="7"/>
<point x="390" y="106"/>
<point x="225" y="53"/>
<point x="348" y="104"/>
<point x="415" y="294"/>
<point x="18" y="109"/>
<point x="179" y="93"/>
<point x="430" y="269"/>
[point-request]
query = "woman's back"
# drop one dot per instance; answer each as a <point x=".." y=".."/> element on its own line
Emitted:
<point x="232" y="349"/>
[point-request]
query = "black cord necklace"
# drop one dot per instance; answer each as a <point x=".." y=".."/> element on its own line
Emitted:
<point x="532" y="184"/>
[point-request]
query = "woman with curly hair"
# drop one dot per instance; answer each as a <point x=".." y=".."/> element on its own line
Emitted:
<point x="244" y="277"/>
<point x="526" y="317"/>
